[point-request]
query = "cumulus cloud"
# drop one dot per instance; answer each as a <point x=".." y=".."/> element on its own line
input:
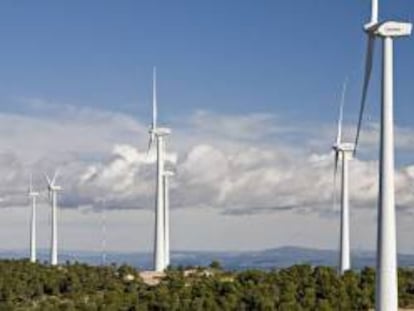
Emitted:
<point x="230" y="163"/>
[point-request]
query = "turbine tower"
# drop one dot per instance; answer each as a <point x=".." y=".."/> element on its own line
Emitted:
<point x="33" y="196"/>
<point x="344" y="152"/>
<point x="386" y="266"/>
<point x="53" y="190"/>
<point x="159" y="134"/>
<point x="102" y="205"/>
<point x="167" y="175"/>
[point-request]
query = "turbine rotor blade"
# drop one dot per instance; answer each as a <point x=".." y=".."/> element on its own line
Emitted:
<point x="367" y="77"/>
<point x="55" y="175"/>
<point x="374" y="12"/>
<point x="341" y="113"/>
<point x="47" y="179"/>
<point x="150" y="142"/>
<point x="154" y="98"/>
<point x="31" y="183"/>
<point x="149" y="145"/>
<point x="154" y="110"/>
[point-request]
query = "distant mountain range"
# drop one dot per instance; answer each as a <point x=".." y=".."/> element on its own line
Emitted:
<point x="265" y="259"/>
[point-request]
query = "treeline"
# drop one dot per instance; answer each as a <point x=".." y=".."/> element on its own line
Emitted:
<point x="27" y="286"/>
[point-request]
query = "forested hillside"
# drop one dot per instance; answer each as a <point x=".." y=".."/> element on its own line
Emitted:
<point x="27" y="286"/>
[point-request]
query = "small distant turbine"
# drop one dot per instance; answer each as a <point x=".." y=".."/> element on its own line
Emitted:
<point x="344" y="152"/>
<point x="33" y="196"/>
<point x="103" y="231"/>
<point x="159" y="134"/>
<point x="53" y="189"/>
<point x="167" y="176"/>
<point x="386" y="281"/>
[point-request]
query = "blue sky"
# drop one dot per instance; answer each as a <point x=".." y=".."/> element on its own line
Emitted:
<point x="287" y="57"/>
<point x="251" y="90"/>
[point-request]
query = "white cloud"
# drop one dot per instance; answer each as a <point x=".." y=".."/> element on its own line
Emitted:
<point x="231" y="163"/>
<point x="249" y="127"/>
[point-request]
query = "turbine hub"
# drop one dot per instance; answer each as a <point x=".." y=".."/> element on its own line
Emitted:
<point x="161" y="131"/>
<point x="169" y="173"/>
<point x="345" y="147"/>
<point x="55" y="188"/>
<point x="371" y="26"/>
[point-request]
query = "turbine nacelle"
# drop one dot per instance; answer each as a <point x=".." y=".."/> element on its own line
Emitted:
<point x="169" y="174"/>
<point x="160" y="131"/>
<point x="33" y="194"/>
<point x="344" y="147"/>
<point x="54" y="188"/>
<point x="392" y="29"/>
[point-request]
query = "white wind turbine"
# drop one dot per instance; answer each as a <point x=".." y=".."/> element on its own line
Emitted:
<point x="159" y="134"/>
<point x="386" y="267"/>
<point x="167" y="176"/>
<point x="103" y="231"/>
<point x="344" y="152"/>
<point x="33" y="196"/>
<point x="53" y="190"/>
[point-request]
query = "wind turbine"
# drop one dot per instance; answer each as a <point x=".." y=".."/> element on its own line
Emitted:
<point x="386" y="266"/>
<point x="53" y="190"/>
<point x="167" y="175"/>
<point x="344" y="152"/>
<point x="159" y="134"/>
<point x="33" y="196"/>
<point x="103" y="220"/>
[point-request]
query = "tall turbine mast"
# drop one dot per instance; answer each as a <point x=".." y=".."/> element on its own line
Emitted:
<point x="343" y="151"/>
<point x="386" y="281"/>
<point x="33" y="196"/>
<point x="159" y="134"/>
<point x="167" y="176"/>
<point x="53" y="189"/>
